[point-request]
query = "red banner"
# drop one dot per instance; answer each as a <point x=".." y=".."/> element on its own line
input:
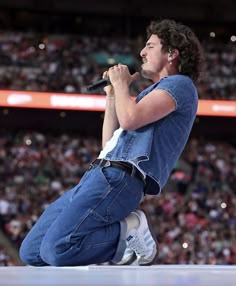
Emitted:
<point x="87" y="102"/>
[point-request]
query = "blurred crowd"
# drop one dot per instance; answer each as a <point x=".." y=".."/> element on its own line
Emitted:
<point x="69" y="63"/>
<point x="5" y="259"/>
<point x="194" y="217"/>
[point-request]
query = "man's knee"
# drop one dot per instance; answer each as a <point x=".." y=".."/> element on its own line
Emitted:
<point x="54" y="255"/>
<point x="59" y="253"/>
<point x="29" y="257"/>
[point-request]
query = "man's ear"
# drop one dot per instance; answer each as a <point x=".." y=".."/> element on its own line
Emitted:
<point x="173" y="53"/>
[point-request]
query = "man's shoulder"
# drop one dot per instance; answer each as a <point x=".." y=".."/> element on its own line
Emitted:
<point x="176" y="78"/>
<point x="177" y="82"/>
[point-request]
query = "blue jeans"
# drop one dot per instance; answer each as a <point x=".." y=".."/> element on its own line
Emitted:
<point x="86" y="224"/>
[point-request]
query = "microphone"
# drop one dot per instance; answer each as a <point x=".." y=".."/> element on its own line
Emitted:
<point x="99" y="84"/>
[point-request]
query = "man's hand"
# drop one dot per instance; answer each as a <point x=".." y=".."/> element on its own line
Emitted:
<point x="119" y="74"/>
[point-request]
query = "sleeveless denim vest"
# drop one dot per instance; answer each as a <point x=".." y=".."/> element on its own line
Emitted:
<point x="156" y="147"/>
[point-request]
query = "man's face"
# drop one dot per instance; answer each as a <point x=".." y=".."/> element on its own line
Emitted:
<point x="154" y="59"/>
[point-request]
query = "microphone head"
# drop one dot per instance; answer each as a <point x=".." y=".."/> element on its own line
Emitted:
<point x="99" y="84"/>
<point x="90" y="87"/>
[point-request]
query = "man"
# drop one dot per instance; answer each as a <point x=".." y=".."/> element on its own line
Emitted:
<point x="98" y="221"/>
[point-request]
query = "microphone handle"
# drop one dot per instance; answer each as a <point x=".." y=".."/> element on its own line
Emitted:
<point x="99" y="84"/>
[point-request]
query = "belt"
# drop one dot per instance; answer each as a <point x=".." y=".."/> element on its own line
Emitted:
<point x="129" y="168"/>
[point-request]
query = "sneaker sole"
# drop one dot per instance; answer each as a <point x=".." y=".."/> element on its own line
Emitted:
<point x="154" y="238"/>
<point x="129" y="261"/>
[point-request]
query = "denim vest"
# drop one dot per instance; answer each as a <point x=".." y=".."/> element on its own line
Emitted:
<point x="156" y="147"/>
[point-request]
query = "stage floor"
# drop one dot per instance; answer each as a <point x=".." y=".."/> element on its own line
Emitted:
<point x="163" y="275"/>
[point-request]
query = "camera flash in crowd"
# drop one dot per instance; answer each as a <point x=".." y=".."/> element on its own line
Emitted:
<point x="223" y="205"/>
<point x="28" y="142"/>
<point x="185" y="245"/>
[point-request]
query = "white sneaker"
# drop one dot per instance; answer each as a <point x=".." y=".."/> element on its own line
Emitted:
<point x="128" y="258"/>
<point x="142" y="241"/>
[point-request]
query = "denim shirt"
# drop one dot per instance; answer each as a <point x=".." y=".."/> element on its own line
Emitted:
<point x="155" y="148"/>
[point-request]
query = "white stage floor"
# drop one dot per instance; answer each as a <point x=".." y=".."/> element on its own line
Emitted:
<point x="158" y="275"/>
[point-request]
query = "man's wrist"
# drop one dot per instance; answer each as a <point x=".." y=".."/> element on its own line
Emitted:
<point x="121" y="89"/>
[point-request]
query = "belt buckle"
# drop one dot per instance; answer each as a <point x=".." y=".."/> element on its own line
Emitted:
<point x="91" y="165"/>
<point x="106" y="163"/>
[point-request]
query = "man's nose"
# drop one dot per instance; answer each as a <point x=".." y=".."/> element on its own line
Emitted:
<point x="143" y="52"/>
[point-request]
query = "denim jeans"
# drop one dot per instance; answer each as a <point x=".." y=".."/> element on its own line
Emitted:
<point x="86" y="224"/>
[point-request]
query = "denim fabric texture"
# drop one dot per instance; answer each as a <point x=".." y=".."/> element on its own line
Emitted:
<point x="83" y="226"/>
<point x="155" y="148"/>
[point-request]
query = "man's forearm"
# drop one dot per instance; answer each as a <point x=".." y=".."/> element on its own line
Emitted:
<point x="110" y="123"/>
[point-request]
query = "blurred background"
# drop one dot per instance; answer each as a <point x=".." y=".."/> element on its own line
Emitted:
<point x="50" y="126"/>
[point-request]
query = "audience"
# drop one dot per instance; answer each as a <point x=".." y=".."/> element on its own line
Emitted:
<point x="194" y="217"/>
<point x="69" y="63"/>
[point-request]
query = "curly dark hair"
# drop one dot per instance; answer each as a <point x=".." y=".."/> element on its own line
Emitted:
<point x="175" y="35"/>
